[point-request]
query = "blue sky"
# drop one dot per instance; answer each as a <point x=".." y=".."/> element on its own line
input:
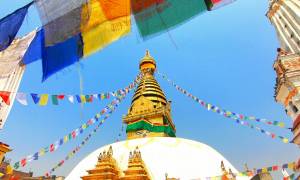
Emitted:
<point x="224" y="57"/>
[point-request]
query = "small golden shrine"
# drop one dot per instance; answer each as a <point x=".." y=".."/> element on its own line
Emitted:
<point x="106" y="168"/>
<point x="136" y="167"/>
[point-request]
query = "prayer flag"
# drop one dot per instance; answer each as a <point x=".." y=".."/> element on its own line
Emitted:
<point x="82" y="98"/>
<point x="52" y="148"/>
<point x="264" y="170"/>
<point x="34" y="51"/>
<point x="61" y="55"/>
<point x="166" y="15"/>
<point x="35" y="98"/>
<point x="66" y="138"/>
<point x="9" y="170"/>
<point x="43" y="100"/>
<point x="109" y="21"/>
<point x="78" y="98"/>
<point x="285" y="140"/>
<point x="71" y="98"/>
<point x="275" y="168"/>
<point x="23" y="162"/>
<point x="54" y="100"/>
<point x="17" y="165"/>
<point x="22" y="99"/>
<point x="10" y="26"/>
<point x="291" y="165"/>
<point x="36" y="156"/>
<point x="61" y="96"/>
<point x="5" y="97"/>
<point x="42" y="152"/>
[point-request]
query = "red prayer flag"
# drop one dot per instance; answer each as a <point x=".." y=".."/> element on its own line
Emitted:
<point x="5" y="96"/>
<point x="51" y="147"/>
<point x="273" y="135"/>
<point x="275" y="168"/>
<point x="23" y="162"/>
<point x="215" y="1"/>
<point x="73" y="134"/>
<point x="61" y="97"/>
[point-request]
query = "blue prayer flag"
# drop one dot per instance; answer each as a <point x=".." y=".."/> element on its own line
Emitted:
<point x="10" y="25"/>
<point x="78" y="98"/>
<point x="61" y="55"/>
<point x="35" y="98"/>
<point x="36" y="156"/>
<point x="34" y="51"/>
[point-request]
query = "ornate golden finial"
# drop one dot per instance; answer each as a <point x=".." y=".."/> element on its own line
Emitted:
<point x="147" y="63"/>
<point x="148" y="53"/>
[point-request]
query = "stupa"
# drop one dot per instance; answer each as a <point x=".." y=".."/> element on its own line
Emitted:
<point x="152" y="150"/>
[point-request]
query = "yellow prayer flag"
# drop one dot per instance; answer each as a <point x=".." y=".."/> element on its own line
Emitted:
<point x="9" y="170"/>
<point x="82" y="98"/>
<point x="66" y="138"/>
<point x="98" y="115"/>
<point x="42" y="152"/>
<point x="104" y="34"/>
<point x="43" y="100"/>
<point x="264" y="170"/>
<point x="285" y="140"/>
<point x="1" y="174"/>
<point x="109" y="21"/>
<point x="84" y="126"/>
<point x="291" y="165"/>
<point x="208" y="106"/>
<point x="281" y="124"/>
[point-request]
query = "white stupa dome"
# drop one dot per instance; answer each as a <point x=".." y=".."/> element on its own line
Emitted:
<point x="177" y="157"/>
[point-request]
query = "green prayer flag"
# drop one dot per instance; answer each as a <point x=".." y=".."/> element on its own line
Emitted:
<point x="54" y="100"/>
<point x="166" y="15"/>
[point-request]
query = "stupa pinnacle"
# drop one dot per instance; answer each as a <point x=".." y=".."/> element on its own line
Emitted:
<point x="149" y="114"/>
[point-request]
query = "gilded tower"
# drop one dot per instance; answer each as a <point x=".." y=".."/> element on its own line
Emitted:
<point x="149" y="114"/>
<point x="285" y="16"/>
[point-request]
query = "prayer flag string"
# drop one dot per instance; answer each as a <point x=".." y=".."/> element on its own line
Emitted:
<point x="78" y="147"/>
<point x="239" y="118"/>
<point x="249" y="173"/>
<point x="45" y="99"/>
<point x="75" y="133"/>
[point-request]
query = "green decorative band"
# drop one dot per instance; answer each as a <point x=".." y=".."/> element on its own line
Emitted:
<point x="142" y="125"/>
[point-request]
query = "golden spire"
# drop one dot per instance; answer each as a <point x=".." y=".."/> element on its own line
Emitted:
<point x="150" y="113"/>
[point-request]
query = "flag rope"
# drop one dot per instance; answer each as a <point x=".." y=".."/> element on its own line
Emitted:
<point x="239" y="118"/>
<point x="43" y="98"/>
<point x="75" y="133"/>
<point x="78" y="147"/>
<point x="249" y="173"/>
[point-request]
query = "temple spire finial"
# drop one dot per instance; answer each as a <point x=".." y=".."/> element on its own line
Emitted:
<point x="148" y="53"/>
<point x="147" y="63"/>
